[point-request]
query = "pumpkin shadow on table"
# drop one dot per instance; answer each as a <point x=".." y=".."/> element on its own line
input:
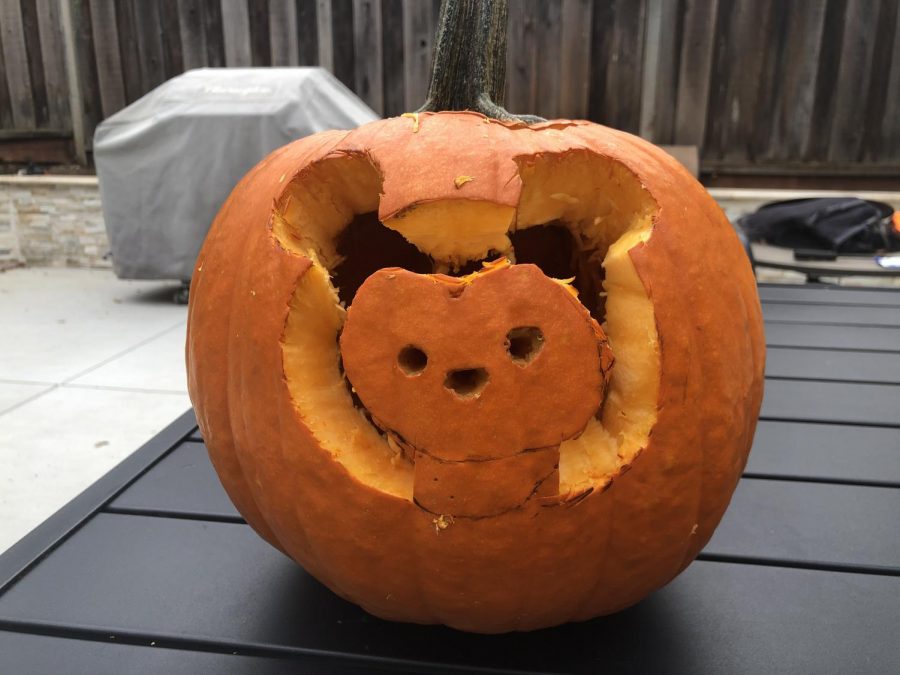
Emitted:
<point x="305" y="613"/>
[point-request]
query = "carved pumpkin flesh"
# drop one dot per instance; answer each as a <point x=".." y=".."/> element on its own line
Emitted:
<point x="478" y="373"/>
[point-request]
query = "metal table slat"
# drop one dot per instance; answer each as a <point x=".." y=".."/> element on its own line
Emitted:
<point x="837" y="526"/>
<point x="812" y="294"/>
<point x="168" y="577"/>
<point x="832" y="364"/>
<point x="815" y="336"/>
<point x="847" y="315"/>
<point x="803" y="573"/>
<point x="70" y="517"/>
<point x="825" y="452"/>
<point x="28" y="654"/>
<point x="182" y="484"/>
<point x="811" y="524"/>
<point x="839" y="402"/>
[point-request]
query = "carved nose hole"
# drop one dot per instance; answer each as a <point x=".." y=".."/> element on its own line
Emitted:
<point x="412" y="360"/>
<point x="524" y="344"/>
<point x="468" y="382"/>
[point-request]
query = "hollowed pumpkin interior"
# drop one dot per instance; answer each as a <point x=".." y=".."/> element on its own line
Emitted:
<point x="576" y="211"/>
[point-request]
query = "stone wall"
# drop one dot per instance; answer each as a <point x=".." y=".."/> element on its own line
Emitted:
<point x="52" y="221"/>
<point x="56" y="220"/>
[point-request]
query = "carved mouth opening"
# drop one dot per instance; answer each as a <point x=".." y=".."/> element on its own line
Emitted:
<point x="467" y="382"/>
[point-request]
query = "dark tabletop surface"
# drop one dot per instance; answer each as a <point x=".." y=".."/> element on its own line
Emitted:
<point x="151" y="570"/>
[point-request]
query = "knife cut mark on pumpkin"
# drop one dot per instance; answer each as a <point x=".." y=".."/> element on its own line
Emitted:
<point x="606" y="213"/>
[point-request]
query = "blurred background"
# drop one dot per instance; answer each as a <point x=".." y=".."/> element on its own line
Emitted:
<point x="769" y="92"/>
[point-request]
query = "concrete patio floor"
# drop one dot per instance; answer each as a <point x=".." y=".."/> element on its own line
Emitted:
<point x="91" y="367"/>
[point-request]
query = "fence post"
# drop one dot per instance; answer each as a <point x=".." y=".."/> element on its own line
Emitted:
<point x="76" y="98"/>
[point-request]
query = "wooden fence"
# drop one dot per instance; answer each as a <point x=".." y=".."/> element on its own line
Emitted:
<point x="758" y="85"/>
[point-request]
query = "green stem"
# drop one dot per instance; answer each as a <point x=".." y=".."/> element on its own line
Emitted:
<point x="469" y="65"/>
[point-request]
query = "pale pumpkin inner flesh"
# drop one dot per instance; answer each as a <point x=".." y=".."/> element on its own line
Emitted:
<point x="596" y="199"/>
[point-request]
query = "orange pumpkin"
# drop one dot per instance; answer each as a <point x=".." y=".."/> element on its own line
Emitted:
<point x="354" y="479"/>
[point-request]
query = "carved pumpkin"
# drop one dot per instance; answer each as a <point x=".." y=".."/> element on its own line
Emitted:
<point x="492" y="374"/>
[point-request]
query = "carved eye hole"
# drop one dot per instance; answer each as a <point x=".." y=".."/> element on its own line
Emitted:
<point x="523" y="344"/>
<point x="412" y="360"/>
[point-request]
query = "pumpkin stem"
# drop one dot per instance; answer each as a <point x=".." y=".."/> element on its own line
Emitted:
<point x="468" y="69"/>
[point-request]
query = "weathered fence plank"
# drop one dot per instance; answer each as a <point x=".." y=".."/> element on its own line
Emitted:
<point x="885" y="146"/>
<point x="236" y="31"/>
<point x="15" y="57"/>
<point x="173" y="59"/>
<point x="794" y="81"/>
<point x="85" y="68"/>
<point x="521" y="58"/>
<point x="193" y="35"/>
<point x="575" y="59"/>
<point x="818" y="133"/>
<point x="758" y="85"/>
<point x="32" y="34"/>
<point x="694" y="71"/>
<point x="662" y="43"/>
<point x="283" y="32"/>
<point x="854" y="75"/>
<point x="324" y="34"/>
<point x="392" y="56"/>
<point x="886" y="57"/>
<point x="307" y="33"/>
<point x="128" y="50"/>
<point x="258" y="21"/>
<point x="108" y="56"/>
<point x="73" y="78"/>
<point x="547" y="73"/>
<point x="419" y="24"/>
<point x="6" y="117"/>
<point x="53" y="59"/>
<point x="368" y="43"/>
<point x="149" y="43"/>
<point x="738" y="64"/>
<point x="215" y="33"/>
<point x="344" y="45"/>
<point x="765" y="92"/>
<point x="616" y="63"/>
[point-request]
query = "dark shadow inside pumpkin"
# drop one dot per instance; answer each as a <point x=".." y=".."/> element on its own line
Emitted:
<point x="523" y="344"/>
<point x="365" y="245"/>
<point x="468" y="382"/>
<point x="412" y="360"/>
<point x="553" y="248"/>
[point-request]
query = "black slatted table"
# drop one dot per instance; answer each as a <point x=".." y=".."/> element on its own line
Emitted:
<point x="151" y="570"/>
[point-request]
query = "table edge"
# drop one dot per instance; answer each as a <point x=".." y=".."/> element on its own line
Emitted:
<point x="22" y="555"/>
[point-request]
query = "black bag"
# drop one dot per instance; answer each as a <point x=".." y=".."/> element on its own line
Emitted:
<point x="843" y="225"/>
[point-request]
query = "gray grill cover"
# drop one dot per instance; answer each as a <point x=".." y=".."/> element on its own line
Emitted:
<point x="168" y="161"/>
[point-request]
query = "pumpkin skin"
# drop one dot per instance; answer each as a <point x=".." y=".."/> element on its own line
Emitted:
<point x="597" y="552"/>
<point x="491" y="443"/>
